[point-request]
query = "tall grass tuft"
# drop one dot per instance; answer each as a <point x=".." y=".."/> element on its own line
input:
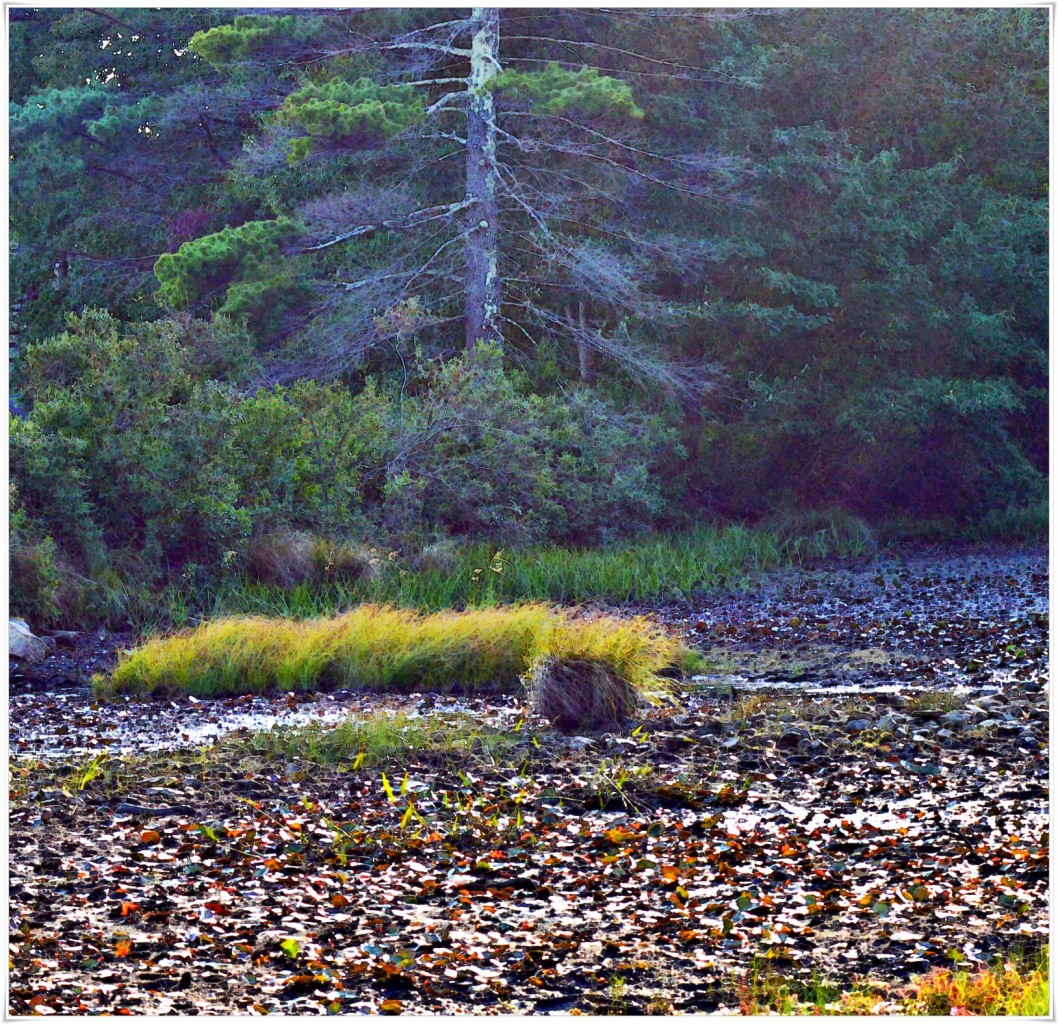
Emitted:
<point x="379" y="647"/>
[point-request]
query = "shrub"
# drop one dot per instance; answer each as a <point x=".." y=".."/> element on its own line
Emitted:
<point x="34" y="581"/>
<point x="126" y="447"/>
<point x="42" y="587"/>
<point x="473" y="452"/>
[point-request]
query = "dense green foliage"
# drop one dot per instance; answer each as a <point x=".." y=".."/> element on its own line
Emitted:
<point x="556" y="90"/>
<point x="786" y="262"/>
<point x="360" y="113"/>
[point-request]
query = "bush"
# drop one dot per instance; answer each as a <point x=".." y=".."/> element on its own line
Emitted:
<point x="474" y="453"/>
<point x="127" y="447"/>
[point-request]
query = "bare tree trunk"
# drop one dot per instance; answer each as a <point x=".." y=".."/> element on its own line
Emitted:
<point x="483" y="277"/>
<point x="585" y="355"/>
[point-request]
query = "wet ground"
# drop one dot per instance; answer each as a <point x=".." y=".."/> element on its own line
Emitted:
<point x="856" y="789"/>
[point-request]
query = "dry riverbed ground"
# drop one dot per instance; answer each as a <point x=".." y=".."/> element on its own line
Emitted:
<point x="854" y="795"/>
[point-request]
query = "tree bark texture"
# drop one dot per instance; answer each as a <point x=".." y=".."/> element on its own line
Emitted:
<point x="482" y="249"/>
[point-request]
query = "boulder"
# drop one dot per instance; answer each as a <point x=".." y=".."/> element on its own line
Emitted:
<point x="22" y="644"/>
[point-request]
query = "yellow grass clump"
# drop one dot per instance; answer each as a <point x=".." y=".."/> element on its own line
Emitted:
<point x="384" y="648"/>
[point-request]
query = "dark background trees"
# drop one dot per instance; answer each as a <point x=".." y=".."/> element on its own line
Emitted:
<point x="774" y="259"/>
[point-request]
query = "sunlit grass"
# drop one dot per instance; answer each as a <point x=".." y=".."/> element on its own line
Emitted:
<point x="1013" y="988"/>
<point x="378" y="739"/>
<point x="391" y="649"/>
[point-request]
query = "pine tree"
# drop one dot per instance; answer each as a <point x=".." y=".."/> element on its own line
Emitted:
<point x="546" y="234"/>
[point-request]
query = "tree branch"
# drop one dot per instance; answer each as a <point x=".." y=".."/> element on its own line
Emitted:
<point x="395" y="224"/>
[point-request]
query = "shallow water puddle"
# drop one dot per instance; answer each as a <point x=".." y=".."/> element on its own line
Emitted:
<point x="61" y="724"/>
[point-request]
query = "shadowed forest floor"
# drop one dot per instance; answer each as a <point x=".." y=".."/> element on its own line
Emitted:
<point x="855" y="793"/>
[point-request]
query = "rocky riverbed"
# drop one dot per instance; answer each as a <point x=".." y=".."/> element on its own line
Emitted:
<point x="856" y="789"/>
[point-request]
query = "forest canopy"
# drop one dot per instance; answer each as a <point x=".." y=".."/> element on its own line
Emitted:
<point x="528" y="275"/>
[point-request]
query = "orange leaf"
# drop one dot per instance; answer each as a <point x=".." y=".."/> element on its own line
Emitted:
<point x="338" y="900"/>
<point x="129" y="908"/>
<point x="151" y="836"/>
<point x="391" y="1006"/>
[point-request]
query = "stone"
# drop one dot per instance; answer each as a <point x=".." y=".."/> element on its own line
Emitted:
<point x="22" y="644"/>
<point x="63" y="637"/>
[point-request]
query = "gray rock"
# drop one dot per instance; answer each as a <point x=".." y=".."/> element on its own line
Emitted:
<point x="22" y="644"/>
<point x="793" y="737"/>
<point x="858" y="725"/>
<point x="62" y="637"/>
<point x="956" y="719"/>
<point x="890" y="723"/>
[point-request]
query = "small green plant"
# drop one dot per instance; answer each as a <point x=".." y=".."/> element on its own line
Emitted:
<point x="84" y="776"/>
<point x="940" y="701"/>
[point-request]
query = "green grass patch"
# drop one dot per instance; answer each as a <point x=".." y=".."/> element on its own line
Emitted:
<point x="662" y="566"/>
<point x="380" y="739"/>
<point x="384" y="648"/>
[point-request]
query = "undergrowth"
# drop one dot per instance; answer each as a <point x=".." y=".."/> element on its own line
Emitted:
<point x="1016" y="986"/>
<point x="389" y="649"/>
<point x="482" y="575"/>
